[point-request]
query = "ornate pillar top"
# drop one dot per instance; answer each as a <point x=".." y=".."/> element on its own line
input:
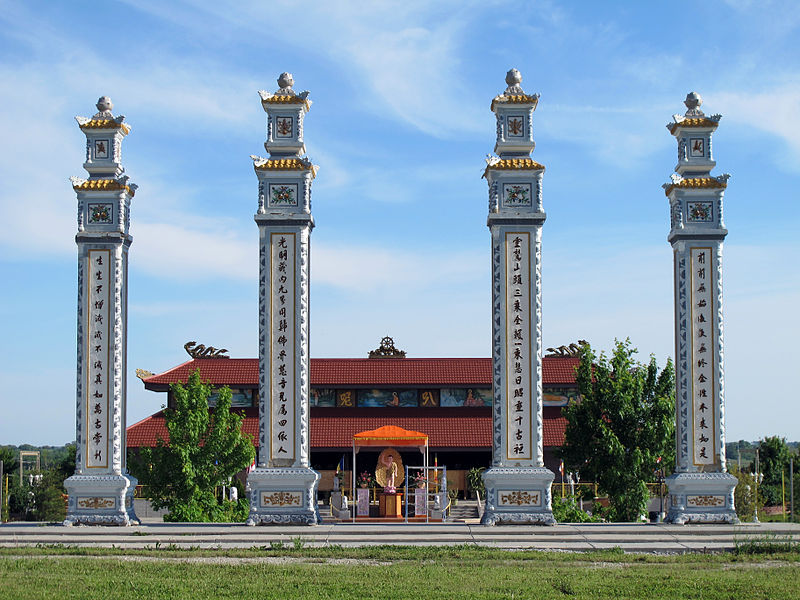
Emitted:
<point x="104" y="133"/>
<point x="514" y="110"/>
<point x="285" y="110"/>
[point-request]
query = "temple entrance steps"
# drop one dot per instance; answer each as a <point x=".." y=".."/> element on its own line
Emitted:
<point x="466" y="511"/>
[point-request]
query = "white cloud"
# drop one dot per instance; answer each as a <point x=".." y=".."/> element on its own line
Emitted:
<point x="176" y="253"/>
<point x="774" y="111"/>
<point x="365" y="269"/>
<point x="404" y="57"/>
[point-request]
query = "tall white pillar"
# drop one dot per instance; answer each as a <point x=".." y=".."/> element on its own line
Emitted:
<point x="701" y="491"/>
<point x="283" y="487"/>
<point x="517" y="484"/>
<point x="101" y="490"/>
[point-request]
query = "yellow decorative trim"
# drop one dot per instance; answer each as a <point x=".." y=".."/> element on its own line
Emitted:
<point x="103" y="185"/>
<point x="515" y="99"/>
<point x="696" y="183"/>
<point x="509" y="164"/>
<point x="696" y="122"/>
<point x="105" y="124"/>
<point x="285" y="164"/>
<point x="279" y="99"/>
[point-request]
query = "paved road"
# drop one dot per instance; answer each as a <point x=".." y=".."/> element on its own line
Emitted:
<point x="629" y="537"/>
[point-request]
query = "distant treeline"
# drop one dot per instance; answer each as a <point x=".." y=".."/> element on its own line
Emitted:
<point x="744" y="452"/>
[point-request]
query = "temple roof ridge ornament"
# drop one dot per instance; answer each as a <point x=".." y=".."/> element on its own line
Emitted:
<point x="514" y="93"/>
<point x="196" y="350"/>
<point x="573" y="350"/>
<point x="387" y="349"/>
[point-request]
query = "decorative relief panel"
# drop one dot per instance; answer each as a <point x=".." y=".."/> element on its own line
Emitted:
<point x="705" y="500"/>
<point x="97" y="357"/>
<point x="284" y="194"/>
<point x="281" y="498"/>
<point x="697" y="147"/>
<point x="703" y="353"/>
<point x="95" y="503"/>
<point x="284" y="127"/>
<point x="699" y="212"/>
<point x="515" y="126"/>
<point x="100" y="213"/>
<point x="519" y="498"/>
<point x="516" y="194"/>
<point x="101" y="148"/>
<point x="518" y="350"/>
<point x="281" y="345"/>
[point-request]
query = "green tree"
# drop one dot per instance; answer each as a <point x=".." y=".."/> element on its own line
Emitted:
<point x="774" y="455"/>
<point x="623" y="423"/>
<point x="205" y="449"/>
<point x="744" y="496"/>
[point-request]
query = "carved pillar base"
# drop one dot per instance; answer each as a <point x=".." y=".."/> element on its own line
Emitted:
<point x="518" y="495"/>
<point x="100" y="500"/>
<point x="701" y="498"/>
<point x="283" y="496"/>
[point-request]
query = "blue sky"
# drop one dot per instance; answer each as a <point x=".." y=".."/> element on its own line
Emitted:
<point x="400" y="126"/>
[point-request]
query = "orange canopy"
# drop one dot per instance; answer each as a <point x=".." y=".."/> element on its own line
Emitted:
<point x="390" y="435"/>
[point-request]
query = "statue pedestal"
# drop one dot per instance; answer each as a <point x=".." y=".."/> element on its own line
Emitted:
<point x="337" y="506"/>
<point x="518" y="495"/>
<point x="391" y="505"/>
<point x="701" y="498"/>
<point x="283" y="496"/>
<point x="100" y="500"/>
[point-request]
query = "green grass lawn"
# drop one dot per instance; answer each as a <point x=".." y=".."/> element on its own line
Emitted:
<point x="390" y="573"/>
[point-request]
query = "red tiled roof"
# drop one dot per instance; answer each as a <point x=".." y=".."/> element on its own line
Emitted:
<point x="446" y="428"/>
<point x="342" y="372"/>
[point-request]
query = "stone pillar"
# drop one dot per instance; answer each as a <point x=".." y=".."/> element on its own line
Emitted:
<point x="101" y="491"/>
<point x="701" y="491"/>
<point x="283" y="487"/>
<point x="517" y="484"/>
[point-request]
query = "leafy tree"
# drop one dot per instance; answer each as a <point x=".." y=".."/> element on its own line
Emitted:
<point x="744" y="496"/>
<point x="205" y="449"/>
<point x="623" y="423"/>
<point x="9" y="457"/>
<point x="774" y="455"/>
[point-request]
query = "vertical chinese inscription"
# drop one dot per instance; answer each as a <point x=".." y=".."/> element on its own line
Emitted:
<point x="98" y="331"/>
<point x="282" y="344"/>
<point x="703" y="354"/>
<point x="518" y="347"/>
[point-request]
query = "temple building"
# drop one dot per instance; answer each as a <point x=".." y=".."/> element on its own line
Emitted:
<point x="449" y="399"/>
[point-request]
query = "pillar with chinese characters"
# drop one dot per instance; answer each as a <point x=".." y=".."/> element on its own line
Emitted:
<point x="283" y="487"/>
<point x="517" y="484"/>
<point x="701" y="491"/>
<point x="101" y="491"/>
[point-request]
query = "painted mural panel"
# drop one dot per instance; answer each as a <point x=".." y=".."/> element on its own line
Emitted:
<point x="559" y="396"/>
<point x="239" y="398"/>
<point x="392" y="398"/>
<point x="469" y="397"/>
<point x="323" y="397"/>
